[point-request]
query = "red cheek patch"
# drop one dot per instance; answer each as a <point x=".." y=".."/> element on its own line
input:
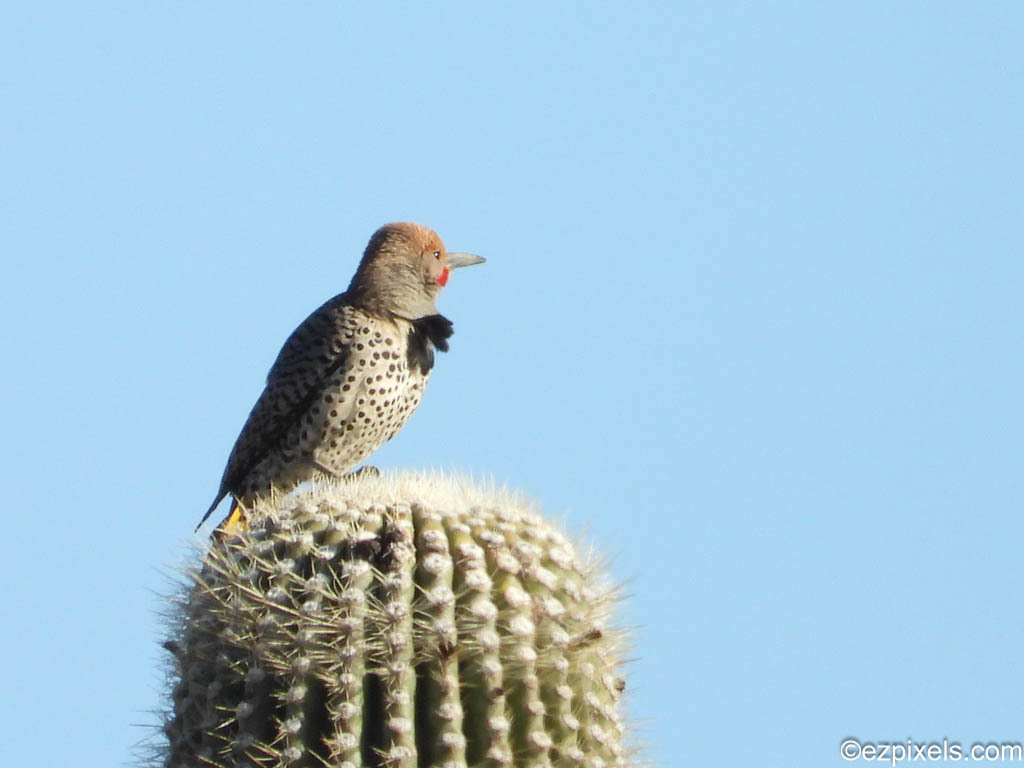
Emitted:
<point x="442" y="279"/>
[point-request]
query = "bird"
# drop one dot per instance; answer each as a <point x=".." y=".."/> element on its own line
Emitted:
<point x="349" y="376"/>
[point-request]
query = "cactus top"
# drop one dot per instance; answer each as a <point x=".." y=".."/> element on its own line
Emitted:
<point x="409" y="620"/>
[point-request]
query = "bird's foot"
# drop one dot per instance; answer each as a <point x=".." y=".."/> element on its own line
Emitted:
<point x="365" y="471"/>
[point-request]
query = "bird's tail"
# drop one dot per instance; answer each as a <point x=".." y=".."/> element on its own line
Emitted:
<point x="233" y="523"/>
<point x="220" y="497"/>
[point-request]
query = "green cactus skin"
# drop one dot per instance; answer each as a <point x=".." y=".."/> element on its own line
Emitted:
<point x="406" y="621"/>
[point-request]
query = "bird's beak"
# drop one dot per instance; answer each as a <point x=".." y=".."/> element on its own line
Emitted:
<point x="456" y="260"/>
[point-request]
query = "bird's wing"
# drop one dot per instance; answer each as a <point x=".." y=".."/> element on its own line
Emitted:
<point x="309" y="358"/>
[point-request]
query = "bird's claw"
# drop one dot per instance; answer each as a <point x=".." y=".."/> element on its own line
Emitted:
<point x="362" y="472"/>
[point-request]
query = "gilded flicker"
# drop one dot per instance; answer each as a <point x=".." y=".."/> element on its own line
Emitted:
<point x="350" y="375"/>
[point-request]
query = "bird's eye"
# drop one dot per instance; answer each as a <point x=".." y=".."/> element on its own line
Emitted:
<point x="437" y="254"/>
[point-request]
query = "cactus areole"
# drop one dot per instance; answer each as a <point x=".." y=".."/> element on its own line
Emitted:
<point x="411" y="620"/>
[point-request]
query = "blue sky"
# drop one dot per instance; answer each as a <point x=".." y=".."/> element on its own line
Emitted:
<point x="750" y="322"/>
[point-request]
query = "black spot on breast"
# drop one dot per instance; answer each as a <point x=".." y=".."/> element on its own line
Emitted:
<point x="426" y="334"/>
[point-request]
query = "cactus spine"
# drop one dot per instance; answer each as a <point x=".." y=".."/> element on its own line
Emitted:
<point x="401" y="621"/>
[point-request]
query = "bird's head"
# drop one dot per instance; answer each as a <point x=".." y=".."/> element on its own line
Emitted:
<point x="403" y="270"/>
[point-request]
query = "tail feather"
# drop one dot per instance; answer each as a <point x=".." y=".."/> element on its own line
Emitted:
<point x="216" y="502"/>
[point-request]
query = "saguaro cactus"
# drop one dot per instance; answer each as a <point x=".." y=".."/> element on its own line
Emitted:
<point x="395" y="621"/>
